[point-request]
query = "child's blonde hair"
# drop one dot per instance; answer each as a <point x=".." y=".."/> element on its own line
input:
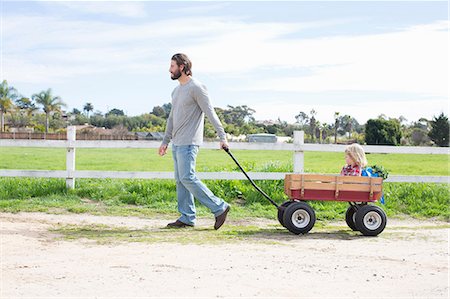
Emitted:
<point x="356" y="152"/>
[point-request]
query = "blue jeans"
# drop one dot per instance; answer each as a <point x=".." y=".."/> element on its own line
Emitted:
<point x="189" y="186"/>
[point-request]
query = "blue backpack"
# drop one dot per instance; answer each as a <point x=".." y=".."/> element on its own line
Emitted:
<point x="368" y="171"/>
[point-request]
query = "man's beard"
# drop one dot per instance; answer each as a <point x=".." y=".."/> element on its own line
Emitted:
<point x="176" y="75"/>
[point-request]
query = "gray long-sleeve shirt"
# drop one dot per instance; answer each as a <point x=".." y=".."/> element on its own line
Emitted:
<point x="190" y="102"/>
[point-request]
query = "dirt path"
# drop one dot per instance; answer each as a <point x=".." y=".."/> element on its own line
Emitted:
<point x="408" y="260"/>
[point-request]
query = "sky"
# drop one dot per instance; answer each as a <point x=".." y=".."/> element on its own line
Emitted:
<point x="361" y="58"/>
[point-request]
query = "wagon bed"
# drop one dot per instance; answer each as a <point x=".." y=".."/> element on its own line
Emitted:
<point x="333" y="188"/>
<point x="299" y="217"/>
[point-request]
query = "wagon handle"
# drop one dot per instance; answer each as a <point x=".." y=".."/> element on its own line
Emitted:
<point x="251" y="181"/>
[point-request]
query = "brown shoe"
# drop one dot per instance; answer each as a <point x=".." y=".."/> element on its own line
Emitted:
<point x="178" y="224"/>
<point x="220" y="220"/>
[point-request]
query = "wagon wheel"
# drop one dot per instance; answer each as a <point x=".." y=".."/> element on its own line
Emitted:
<point x="370" y="220"/>
<point x="350" y="217"/>
<point x="299" y="218"/>
<point x="282" y="209"/>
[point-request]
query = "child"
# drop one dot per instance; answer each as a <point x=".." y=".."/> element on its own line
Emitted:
<point x="356" y="161"/>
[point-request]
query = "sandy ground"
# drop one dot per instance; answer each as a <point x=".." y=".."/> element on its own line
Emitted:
<point x="410" y="259"/>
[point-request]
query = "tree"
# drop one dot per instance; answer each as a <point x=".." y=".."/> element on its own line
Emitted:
<point x="327" y="130"/>
<point x="439" y="132"/>
<point x="75" y="111"/>
<point x="5" y="105"/>
<point x="19" y="119"/>
<point x="167" y="107"/>
<point x="159" y="111"/>
<point x="336" y="125"/>
<point x="402" y="120"/>
<point x="312" y="123"/>
<point x="318" y="131"/>
<point x="348" y="125"/>
<point x="289" y="129"/>
<point x="382" y="131"/>
<point x="49" y="103"/>
<point x="7" y="96"/>
<point x="26" y="104"/>
<point x="116" y="112"/>
<point x="88" y="107"/>
<point x="302" y="118"/>
<point x="422" y="123"/>
<point x="419" y="137"/>
<point x="238" y="115"/>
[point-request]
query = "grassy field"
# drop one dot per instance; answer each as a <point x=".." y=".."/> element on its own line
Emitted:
<point x="148" y="160"/>
<point x="153" y="198"/>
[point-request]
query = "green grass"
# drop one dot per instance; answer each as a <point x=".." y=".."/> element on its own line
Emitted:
<point x="157" y="198"/>
<point x="248" y="233"/>
<point x="150" y="198"/>
<point x="103" y="234"/>
<point x="148" y="160"/>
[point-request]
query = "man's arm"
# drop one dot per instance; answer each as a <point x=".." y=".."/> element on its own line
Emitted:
<point x="167" y="135"/>
<point x="202" y="98"/>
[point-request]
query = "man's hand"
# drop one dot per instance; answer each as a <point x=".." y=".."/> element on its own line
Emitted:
<point x="224" y="145"/>
<point x="162" y="149"/>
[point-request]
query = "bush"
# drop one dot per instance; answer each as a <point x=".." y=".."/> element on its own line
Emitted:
<point x="381" y="131"/>
<point x="440" y="130"/>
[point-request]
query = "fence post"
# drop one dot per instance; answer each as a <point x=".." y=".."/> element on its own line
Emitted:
<point x="70" y="157"/>
<point x="299" y="158"/>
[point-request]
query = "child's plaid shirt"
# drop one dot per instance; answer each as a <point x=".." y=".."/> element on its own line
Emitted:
<point x="351" y="170"/>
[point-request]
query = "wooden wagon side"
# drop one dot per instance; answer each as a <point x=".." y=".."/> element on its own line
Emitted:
<point x="333" y="187"/>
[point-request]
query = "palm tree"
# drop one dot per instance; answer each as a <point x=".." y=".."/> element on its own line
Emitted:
<point x="49" y="104"/>
<point x="7" y="95"/>
<point x="312" y="124"/>
<point x="347" y="122"/>
<point x="336" y="125"/>
<point x="88" y="107"/>
<point x="27" y="105"/>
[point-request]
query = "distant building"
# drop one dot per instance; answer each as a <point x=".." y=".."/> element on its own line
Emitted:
<point x="268" y="138"/>
<point x="21" y="130"/>
<point x="149" y="135"/>
<point x="267" y="122"/>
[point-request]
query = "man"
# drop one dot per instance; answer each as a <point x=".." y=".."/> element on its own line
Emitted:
<point x="190" y="102"/>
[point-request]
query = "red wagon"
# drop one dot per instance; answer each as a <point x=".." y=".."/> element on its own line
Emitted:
<point x="299" y="218"/>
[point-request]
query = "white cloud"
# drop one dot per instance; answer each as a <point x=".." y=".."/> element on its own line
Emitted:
<point x="68" y="48"/>
<point x="201" y="8"/>
<point x="267" y="56"/>
<point x="413" y="60"/>
<point x="129" y="9"/>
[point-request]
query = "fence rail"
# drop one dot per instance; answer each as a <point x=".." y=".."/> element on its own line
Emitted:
<point x="201" y="175"/>
<point x="63" y="136"/>
<point x="375" y="149"/>
<point x="298" y="148"/>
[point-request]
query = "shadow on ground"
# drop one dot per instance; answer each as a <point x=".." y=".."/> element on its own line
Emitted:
<point x="197" y="235"/>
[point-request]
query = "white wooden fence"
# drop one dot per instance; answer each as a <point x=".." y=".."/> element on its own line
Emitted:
<point x="298" y="148"/>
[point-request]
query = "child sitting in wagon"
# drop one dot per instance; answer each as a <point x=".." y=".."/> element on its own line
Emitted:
<point x="356" y="163"/>
<point x="355" y="160"/>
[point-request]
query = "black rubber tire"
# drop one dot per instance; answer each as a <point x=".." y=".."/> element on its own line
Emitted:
<point x="370" y="220"/>
<point x="350" y="217"/>
<point x="299" y="218"/>
<point x="282" y="209"/>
